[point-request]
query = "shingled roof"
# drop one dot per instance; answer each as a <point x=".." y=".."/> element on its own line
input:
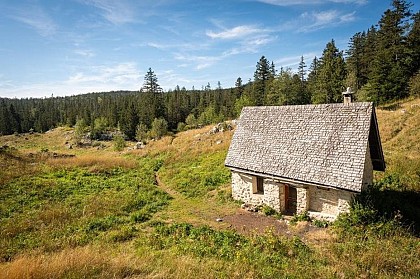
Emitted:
<point x="324" y="144"/>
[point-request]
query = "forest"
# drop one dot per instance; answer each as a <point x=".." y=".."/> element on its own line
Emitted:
<point x="381" y="65"/>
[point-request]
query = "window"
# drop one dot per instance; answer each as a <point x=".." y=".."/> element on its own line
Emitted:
<point x="257" y="185"/>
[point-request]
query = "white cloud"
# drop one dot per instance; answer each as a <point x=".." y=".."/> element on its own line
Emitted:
<point x="201" y="62"/>
<point x="37" y="18"/>
<point x="85" y="52"/>
<point x="236" y="32"/>
<point x="294" y="60"/>
<point x="123" y="76"/>
<point x="116" y="12"/>
<point x="309" y="2"/>
<point x="120" y="74"/>
<point x="312" y="21"/>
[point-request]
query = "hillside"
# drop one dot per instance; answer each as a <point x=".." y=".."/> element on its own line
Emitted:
<point x="92" y="212"/>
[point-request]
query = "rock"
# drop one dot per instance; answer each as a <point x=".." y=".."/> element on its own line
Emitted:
<point x="221" y="127"/>
<point x="139" y="145"/>
<point x="219" y="220"/>
<point x="219" y="142"/>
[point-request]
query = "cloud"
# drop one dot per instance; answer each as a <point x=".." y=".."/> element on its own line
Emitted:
<point x="85" y="52"/>
<point x="294" y="60"/>
<point x="312" y="21"/>
<point x="116" y="12"/>
<point x="37" y="18"/>
<point x="236" y="32"/>
<point x="317" y="20"/>
<point x="201" y="62"/>
<point x="120" y="74"/>
<point x="309" y="2"/>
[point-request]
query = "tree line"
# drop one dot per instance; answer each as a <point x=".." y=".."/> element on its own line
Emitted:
<point x="381" y="64"/>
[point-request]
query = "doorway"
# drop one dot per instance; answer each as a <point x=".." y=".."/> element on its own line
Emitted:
<point x="290" y="199"/>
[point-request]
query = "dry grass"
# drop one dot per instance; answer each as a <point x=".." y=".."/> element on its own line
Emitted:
<point x="81" y="262"/>
<point x="191" y="142"/>
<point x="94" y="162"/>
<point x="400" y="133"/>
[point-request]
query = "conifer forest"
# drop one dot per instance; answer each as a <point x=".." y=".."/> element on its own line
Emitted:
<point x="381" y="64"/>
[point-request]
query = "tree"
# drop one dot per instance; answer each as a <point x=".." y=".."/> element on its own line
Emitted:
<point x="99" y="127"/>
<point x="330" y="76"/>
<point x="191" y="121"/>
<point x="413" y="44"/>
<point x="390" y="72"/>
<point x="263" y="73"/>
<point x="79" y="130"/>
<point x="414" y="85"/>
<point x="301" y="70"/>
<point x="239" y="89"/>
<point x="141" y="132"/>
<point x="154" y="95"/>
<point x="5" y="119"/>
<point x="159" y="128"/>
<point x="130" y="121"/>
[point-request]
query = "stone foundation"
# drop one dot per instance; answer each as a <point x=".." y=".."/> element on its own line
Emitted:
<point x="321" y="203"/>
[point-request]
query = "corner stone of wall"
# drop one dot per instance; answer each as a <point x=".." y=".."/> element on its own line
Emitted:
<point x="240" y="187"/>
<point x="302" y="203"/>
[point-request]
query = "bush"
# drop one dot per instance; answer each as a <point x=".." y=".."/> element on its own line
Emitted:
<point x="268" y="211"/>
<point x="320" y="223"/>
<point x="159" y="128"/>
<point x="119" y="142"/>
<point x="141" y="132"/>
<point x="300" y="217"/>
<point x="181" y="127"/>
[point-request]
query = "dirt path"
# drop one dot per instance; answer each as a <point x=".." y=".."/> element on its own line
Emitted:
<point x="197" y="212"/>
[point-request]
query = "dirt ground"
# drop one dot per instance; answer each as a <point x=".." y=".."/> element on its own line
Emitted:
<point x="246" y="222"/>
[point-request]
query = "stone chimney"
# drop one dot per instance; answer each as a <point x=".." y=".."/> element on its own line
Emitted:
<point x="347" y="95"/>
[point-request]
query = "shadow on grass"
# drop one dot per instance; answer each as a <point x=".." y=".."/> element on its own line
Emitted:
<point x="401" y="206"/>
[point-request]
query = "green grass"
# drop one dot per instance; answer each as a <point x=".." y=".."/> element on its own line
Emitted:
<point x="75" y="207"/>
<point x="195" y="176"/>
<point x="101" y="214"/>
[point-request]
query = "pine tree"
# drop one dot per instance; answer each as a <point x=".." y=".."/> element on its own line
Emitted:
<point x="154" y="95"/>
<point x="330" y="76"/>
<point x="262" y="75"/>
<point x="239" y="88"/>
<point x="413" y="44"/>
<point x="390" y="72"/>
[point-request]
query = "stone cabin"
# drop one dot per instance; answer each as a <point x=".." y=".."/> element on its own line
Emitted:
<point x="299" y="158"/>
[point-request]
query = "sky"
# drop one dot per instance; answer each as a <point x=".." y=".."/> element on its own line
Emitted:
<point x="70" y="47"/>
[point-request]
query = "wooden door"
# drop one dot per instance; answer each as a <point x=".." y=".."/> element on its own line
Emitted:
<point x="291" y="199"/>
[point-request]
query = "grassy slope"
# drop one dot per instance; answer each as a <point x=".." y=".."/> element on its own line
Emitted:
<point x="90" y="215"/>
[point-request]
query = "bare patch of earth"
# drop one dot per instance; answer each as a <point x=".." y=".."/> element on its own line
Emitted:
<point x="247" y="223"/>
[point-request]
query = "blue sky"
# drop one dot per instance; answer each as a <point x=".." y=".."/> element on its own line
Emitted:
<point x="69" y="47"/>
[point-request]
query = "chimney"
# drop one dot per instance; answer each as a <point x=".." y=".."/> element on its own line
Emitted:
<point x="347" y="95"/>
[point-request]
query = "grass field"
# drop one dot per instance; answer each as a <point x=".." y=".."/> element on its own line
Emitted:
<point x="92" y="212"/>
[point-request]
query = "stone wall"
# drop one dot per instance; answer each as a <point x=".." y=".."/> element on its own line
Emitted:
<point x="303" y="200"/>
<point x="328" y="202"/>
<point x="242" y="190"/>
<point x="272" y="194"/>
<point x="321" y="203"/>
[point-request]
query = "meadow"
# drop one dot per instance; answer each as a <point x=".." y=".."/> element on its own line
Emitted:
<point x="93" y="212"/>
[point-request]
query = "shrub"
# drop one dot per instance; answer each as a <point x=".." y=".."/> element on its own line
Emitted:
<point x="320" y="223"/>
<point x="141" y="132"/>
<point x="300" y="217"/>
<point x="181" y="127"/>
<point x="159" y="128"/>
<point x="268" y="211"/>
<point x="119" y="142"/>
